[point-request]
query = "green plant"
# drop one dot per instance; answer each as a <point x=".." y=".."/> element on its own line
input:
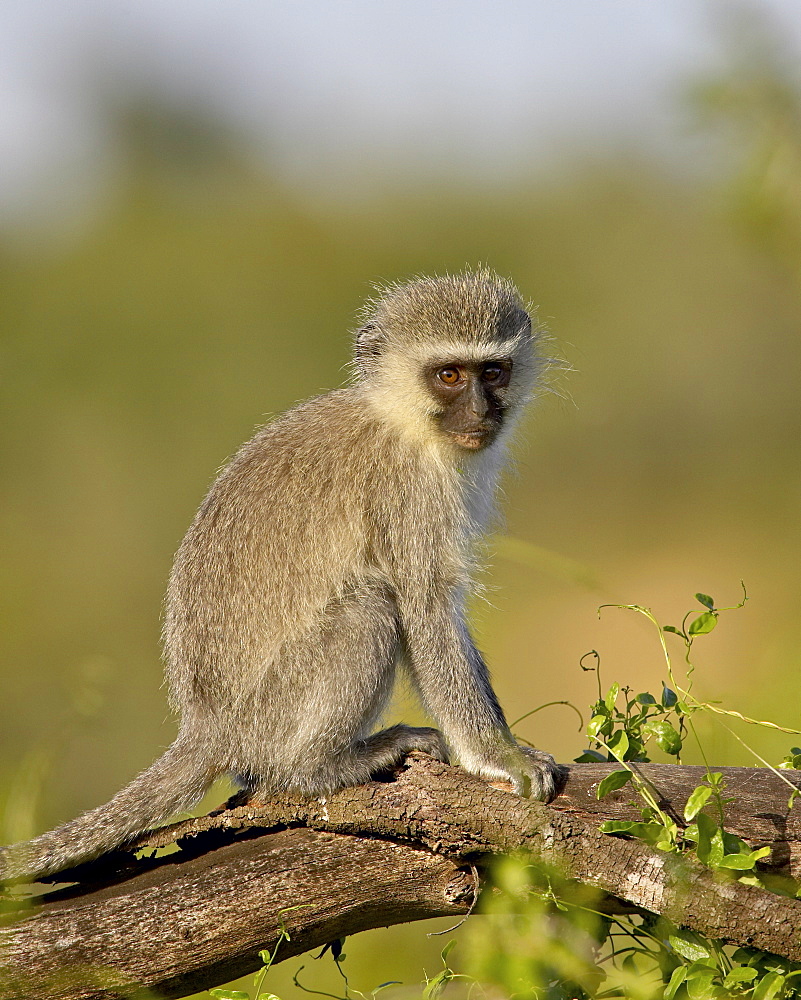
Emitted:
<point x="267" y="958"/>
<point x="548" y="942"/>
<point x="690" y="965"/>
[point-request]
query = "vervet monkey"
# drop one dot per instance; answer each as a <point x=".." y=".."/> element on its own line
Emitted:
<point x="334" y="548"/>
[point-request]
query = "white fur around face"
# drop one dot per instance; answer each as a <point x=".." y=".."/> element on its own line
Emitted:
<point x="400" y="396"/>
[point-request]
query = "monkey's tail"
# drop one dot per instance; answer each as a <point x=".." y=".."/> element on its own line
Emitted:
<point x="172" y="783"/>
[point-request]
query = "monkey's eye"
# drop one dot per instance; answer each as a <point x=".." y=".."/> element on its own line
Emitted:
<point x="492" y="373"/>
<point x="449" y="376"/>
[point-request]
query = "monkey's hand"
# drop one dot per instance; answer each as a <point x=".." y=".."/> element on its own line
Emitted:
<point x="531" y="773"/>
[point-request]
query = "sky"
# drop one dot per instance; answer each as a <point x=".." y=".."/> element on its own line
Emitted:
<point x="461" y="86"/>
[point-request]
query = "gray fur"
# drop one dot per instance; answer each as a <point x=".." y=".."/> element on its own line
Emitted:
<point x="334" y="548"/>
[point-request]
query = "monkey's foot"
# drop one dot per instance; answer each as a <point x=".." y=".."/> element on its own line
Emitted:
<point x="389" y="746"/>
<point x="534" y="773"/>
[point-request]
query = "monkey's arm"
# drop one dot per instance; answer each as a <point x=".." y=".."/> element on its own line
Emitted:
<point x="454" y="683"/>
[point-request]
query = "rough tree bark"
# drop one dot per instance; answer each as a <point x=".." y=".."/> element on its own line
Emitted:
<point x="382" y="853"/>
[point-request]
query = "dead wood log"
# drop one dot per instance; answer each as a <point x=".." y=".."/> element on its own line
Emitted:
<point x="382" y="853"/>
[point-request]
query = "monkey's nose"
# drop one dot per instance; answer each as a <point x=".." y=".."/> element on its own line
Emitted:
<point x="478" y="405"/>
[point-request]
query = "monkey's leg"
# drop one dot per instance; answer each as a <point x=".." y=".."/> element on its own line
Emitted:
<point x="332" y="685"/>
<point x="363" y="759"/>
<point x="386" y="748"/>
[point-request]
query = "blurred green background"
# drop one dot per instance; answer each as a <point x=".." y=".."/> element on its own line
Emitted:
<point x="145" y="335"/>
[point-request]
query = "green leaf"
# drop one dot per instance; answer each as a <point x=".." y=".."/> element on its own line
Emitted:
<point x="769" y="986"/>
<point x="613" y="781"/>
<point x="620" y="826"/>
<point x="590" y="757"/>
<point x="688" y="946"/>
<point x="230" y="995"/>
<point x="619" y="743"/>
<point x="732" y="844"/>
<point x="598" y="723"/>
<point x="666" y="841"/>
<point x="436" y="985"/>
<point x="710" y="841"/>
<point x="636" y="750"/>
<point x="702" y="966"/>
<point x="611" y="696"/>
<point x="706" y="600"/>
<point x="646" y="699"/>
<point x="669" y="697"/>
<point x="696" y="802"/>
<point x="651" y="833"/>
<point x="447" y="950"/>
<point x="673" y="629"/>
<point x="751" y="880"/>
<point x="739" y="862"/>
<point x="743" y="860"/>
<point x="742" y="974"/>
<point x="700" y="984"/>
<point x="705" y="829"/>
<point x="666" y="736"/>
<point x="703" y="623"/>
<point x="678" y="977"/>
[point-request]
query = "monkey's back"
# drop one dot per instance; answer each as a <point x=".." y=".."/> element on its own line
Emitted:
<point x="291" y="524"/>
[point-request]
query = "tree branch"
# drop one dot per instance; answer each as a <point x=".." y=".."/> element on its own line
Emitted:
<point x="374" y="855"/>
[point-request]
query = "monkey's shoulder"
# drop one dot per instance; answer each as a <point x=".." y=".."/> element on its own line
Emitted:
<point x="332" y="460"/>
<point x="325" y="433"/>
<point x="336" y="434"/>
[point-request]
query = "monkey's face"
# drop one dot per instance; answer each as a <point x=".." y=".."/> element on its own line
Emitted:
<point x="471" y="399"/>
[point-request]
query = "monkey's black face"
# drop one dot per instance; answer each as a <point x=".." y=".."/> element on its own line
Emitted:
<point x="471" y="396"/>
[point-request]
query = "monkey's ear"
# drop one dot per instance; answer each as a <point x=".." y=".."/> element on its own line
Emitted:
<point x="369" y="346"/>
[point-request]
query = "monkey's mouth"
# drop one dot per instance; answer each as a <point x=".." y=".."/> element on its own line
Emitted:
<point x="473" y="440"/>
